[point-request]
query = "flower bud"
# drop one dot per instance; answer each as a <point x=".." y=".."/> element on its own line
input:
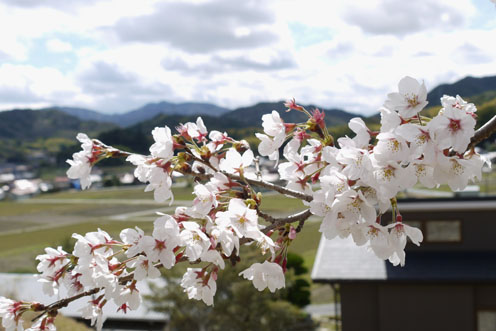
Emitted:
<point x="241" y="146"/>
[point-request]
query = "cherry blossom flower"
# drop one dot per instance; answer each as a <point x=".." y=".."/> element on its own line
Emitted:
<point x="453" y="128"/>
<point x="378" y="237"/>
<point x="10" y="312"/>
<point x="199" y="286"/>
<point x="235" y="163"/>
<point x="390" y="178"/>
<point x="273" y="124"/>
<point x="410" y="99"/>
<point x="457" y="172"/>
<point x="144" y="268"/>
<point x="92" y="243"/>
<point x="160" y="182"/>
<point x="270" y="146"/>
<point x="217" y="140"/>
<point x="321" y="203"/>
<point x="243" y="220"/>
<point x="93" y="311"/>
<point x="82" y="162"/>
<point x="157" y="174"/>
<point x="160" y="247"/>
<point x="390" y="119"/>
<point x="265" y="275"/>
<point x="127" y="295"/>
<point x="194" y="239"/>
<point x="362" y="132"/>
<point x="291" y="104"/>
<point x="214" y="257"/>
<point x="421" y="143"/>
<point x="356" y="161"/>
<point x="133" y="238"/>
<point x="397" y="240"/>
<point x="164" y="145"/>
<point x="197" y="131"/>
<point x="223" y="233"/>
<point x="43" y="324"/>
<point x="349" y="209"/>
<point x="458" y="103"/>
<point x="266" y="244"/>
<point x="391" y="147"/>
<point x="52" y="267"/>
<point x="425" y="173"/>
<point x="205" y="200"/>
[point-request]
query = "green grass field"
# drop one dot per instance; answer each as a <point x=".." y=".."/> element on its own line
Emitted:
<point x="28" y="226"/>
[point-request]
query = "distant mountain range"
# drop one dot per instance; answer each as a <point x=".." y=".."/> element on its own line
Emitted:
<point x="252" y="116"/>
<point x="240" y="123"/>
<point x="245" y="116"/>
<point x="146" y="112"/>
<point x="132" y="129"/>
<point x="466" y="87"/>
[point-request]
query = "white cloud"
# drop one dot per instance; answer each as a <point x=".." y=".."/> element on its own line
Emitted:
<point x="25" y="85"/>
<point x="234" y="53"/>
<point x="58" y="46"/>
<point x="405" y="17"/>
<point x="203" y="27"/>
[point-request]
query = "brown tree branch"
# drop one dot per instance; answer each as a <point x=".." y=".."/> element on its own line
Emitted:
<point x="274" y="187"/>
<point x="258" y="183"/>
<point x="54" y="306"/>
<point x="298" y="217"/>
<point x="483" y="132"/>
<point x="267" y="217"/>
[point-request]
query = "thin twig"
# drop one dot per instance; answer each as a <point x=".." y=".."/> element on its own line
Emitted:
<point x="64" y="302"/>
<point x="298" y="217"/>
<point x="265" y="216"/>
<point x="259" y="183"/>
<point x="257" y="168"/>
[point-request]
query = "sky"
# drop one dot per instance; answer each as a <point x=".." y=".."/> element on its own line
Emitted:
<point x="117" y="55"/>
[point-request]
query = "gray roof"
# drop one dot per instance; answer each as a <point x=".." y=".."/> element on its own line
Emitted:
<point x="340" y="260"/>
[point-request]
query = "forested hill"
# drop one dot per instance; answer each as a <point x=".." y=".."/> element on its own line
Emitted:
<point x="240" y="123"/>
<point x="466" y="87"/>
<point x="252" y="116"/>
<point x="29" y="125"/>
<point x="25" y="133"/>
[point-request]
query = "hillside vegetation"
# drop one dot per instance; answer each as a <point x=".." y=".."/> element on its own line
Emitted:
<point x="25" y="133"/>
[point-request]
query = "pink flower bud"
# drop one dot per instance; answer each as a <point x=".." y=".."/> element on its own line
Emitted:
<point x="292" y="233"/>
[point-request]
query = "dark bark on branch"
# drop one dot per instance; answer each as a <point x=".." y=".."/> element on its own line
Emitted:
<point x="258" y="183"/>
<point x="277" y="188"/>
<point x="267" y="217"/>
<point x="483" y="132"/>
<point x="64" y="302"/>
<point x="298" y="217"/>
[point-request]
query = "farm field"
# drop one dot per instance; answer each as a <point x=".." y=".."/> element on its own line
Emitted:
<point x="28" y="226"/>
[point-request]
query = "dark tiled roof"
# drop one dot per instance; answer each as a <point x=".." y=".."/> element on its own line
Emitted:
<point x="339" y="260"/>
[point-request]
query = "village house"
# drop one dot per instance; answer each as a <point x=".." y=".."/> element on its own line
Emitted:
<point x="448" y="283"/>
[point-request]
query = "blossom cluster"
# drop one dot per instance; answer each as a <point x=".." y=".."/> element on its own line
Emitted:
<point x="358" y="181"/>
<point x="349" y="183"/>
